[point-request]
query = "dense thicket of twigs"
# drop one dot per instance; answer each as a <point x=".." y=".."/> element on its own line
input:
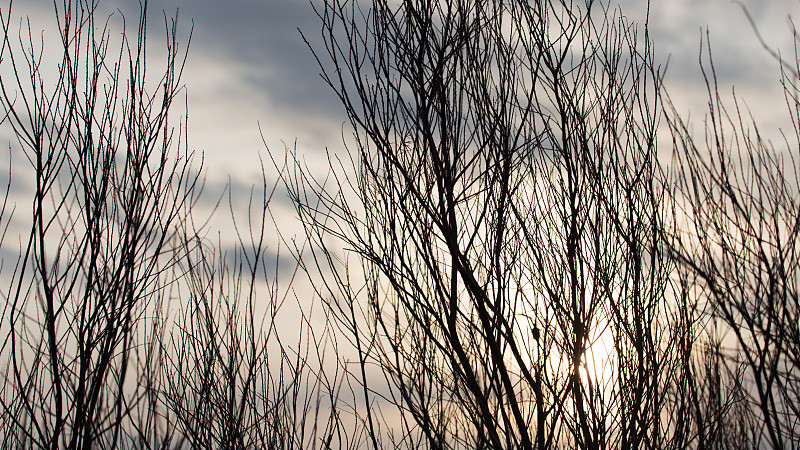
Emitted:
<point x="124" y="325"/>
<point x="736" y="230"/>
<point x="501" y="258"/>
<point x="509" y="222"/>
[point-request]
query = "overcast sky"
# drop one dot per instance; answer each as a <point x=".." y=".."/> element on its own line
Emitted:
<point x="248" y="65"/>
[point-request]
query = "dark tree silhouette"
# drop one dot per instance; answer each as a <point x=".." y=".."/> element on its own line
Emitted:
<point x="738" y="217"/>
<point x="124" y="325"/>
<point x="506" y="206"/>
<point x="230" y="380"/>
<point x="107" y="197"/>
<point x="502" y="261"/>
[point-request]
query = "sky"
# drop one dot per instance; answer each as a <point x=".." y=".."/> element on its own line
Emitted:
<point x="248" y="66"/>
<point x="252" y="82"/>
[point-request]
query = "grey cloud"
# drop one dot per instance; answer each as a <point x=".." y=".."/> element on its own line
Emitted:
<point x="271" y="261"/>
<point x="260" y="42"/>
<point x="269" y="74"/>
<point x="678" y="26"/>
